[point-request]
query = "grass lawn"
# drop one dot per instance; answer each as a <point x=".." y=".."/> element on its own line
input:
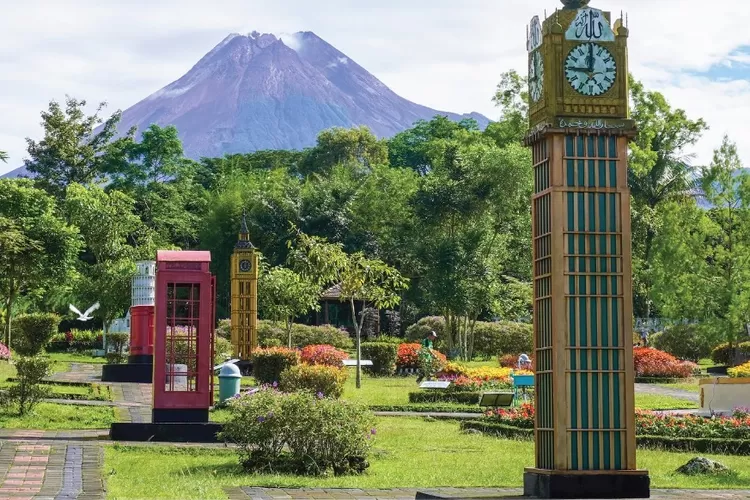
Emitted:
<point x="684" y="386"/>
<point x="408" y="452"/>
<point x="50" y="416"/>
<point x="73" y="357"/>
<point x="659" y="402"/>
<point x="93" y="392"/>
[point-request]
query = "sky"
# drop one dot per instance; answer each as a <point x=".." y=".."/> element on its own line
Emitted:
<point x="444" y="54"/>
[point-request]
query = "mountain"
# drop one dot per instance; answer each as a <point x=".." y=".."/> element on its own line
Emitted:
<point x="259" y="92"/>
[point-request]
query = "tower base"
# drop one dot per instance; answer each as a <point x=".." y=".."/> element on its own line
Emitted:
<point x="139" y="369"/>
<point x="577" y="484"/>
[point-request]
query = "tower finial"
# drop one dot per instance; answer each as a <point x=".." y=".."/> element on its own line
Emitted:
<point x="243" y="227"/>
<point x="244" y="237"/>
<point x="575" y="4"/>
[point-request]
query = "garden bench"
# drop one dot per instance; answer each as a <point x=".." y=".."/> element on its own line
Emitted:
<point x="435" y="384"/>
<point x="353" y="362"/>
<point x="496" y="399"/>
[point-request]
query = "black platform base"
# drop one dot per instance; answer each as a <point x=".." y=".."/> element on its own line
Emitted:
<point x="141" y="373"/>
<point x="623" y="485"/>
<point x="179" y="415"/>
<point x="245" y="366"/>
<point x="191" y="432"/>
<point x="137" y="359"/>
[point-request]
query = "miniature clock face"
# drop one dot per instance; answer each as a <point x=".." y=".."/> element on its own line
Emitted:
<point x="536" y="76"/>
<point x="245" y="266"/>
<point x="590" y="69"/>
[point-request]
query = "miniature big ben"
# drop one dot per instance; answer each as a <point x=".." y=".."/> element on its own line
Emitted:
<point x="579" y="131"/>
<point x="244" y="277"/>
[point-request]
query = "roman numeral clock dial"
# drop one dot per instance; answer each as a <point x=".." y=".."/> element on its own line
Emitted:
<point x="590" y="69"/>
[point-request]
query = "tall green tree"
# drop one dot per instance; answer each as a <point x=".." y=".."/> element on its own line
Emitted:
<point x="114" y="238"/>
<point x="369" y="282"/>
<point x="512" y="97"/>
<point x="284" y="295"/>
<point x="702" y="258"/>
<point x="72" y="151"/>
<point x="3" y="157"/>
<point x="37" y="247"/>
<point x="659" y="171"/>
<point x="336" y="146"/>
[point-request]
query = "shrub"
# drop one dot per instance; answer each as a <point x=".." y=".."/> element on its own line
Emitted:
<point x="299" y="433"/>
<point x="419" y="330"/>
<point x="321" y="380"/>
<point x="269" y="363"/>
<point x="115" y="349"/>
<point x="390" y="340"/>
<point x="302" y="335"/>
<point x="75" y="340"/>
<point x="28" y="389"/>
<point x="741" y="371"/>
<point x="492" y="339"/>
<point x="453" y="370"/>
<point x="722" y="354"/>
<point x="4" y="352"/>
<point x="383" y="356"/>
<point x="322" y="354"/>
<point x="31" y="332"/>
<point x="460" y="397"/>
<point x="408" y="356"/>
<point x="223" y="350"/>
<point x="651" y="362"/>
<point x="392" y="324"/>
<point x="224" y="329"/>
<point x="683" y="342"/>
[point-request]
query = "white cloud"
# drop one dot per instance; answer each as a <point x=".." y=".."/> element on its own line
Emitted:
<point x="441" y="53"/>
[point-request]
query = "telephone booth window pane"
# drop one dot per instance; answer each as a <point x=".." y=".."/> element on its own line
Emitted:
<point x="181" y="348"/>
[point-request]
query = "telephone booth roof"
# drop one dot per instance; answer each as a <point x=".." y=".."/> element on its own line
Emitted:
<point x="183" y="256"/>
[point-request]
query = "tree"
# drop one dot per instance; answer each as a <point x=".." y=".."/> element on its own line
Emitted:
<point x="659" y="171"/>
<point x="3" y="157"/>
<point x="71" y="150"/>
<point x="114" y="238"/>
<point x="512" y="97"/>
<point x="367" y="281"/>
<point x="284" y="295"/>
<point x="337" y="146"/>
<point x="37" y="248"/>
<point x="702" y="258"/>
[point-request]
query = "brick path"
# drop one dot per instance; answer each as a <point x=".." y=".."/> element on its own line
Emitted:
<point x="246" y="493"/>
<point x="50" y="471"/>
<point x="79" y="372"/>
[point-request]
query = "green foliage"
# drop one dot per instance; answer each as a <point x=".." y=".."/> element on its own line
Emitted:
<point x="31" y="332"/>
<point x="340" y="146"/>
<point x="299" y="433"/>
<point x="683" y="342"/>
<point x="224" y="329"/>
<point x="419" y="330"/>
<point x="284" y="295"/>
<point x="269" y="363"/>
<point x="438" y="396"/>
<point x="321" y="380"/>
<point x="383" y="356"/>
<point x="28" y="390"/>
<point x="115" y="348"/>
<point x="725" y="353"/>
<point x="70" y="151"/>
<point x="37" y="248"/>
<point x="223" y="350"/>
<point x="273" y="335"/>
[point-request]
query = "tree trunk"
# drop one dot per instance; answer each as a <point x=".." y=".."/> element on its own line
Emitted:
<point x="9" y="308"/>
<point x="357" y="344"/>
<point x="289" y="332"/>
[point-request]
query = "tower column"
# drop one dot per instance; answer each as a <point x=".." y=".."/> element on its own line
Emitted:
<point x="244" y="265"/>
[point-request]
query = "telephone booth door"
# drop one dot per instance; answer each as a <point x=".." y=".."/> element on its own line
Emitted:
<point x="183" y="340"/>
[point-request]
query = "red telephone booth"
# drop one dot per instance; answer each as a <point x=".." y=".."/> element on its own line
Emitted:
<point x="183" y="336"/>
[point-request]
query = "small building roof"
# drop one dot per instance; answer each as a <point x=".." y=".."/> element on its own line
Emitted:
<point x="333" y="293"/>
<point x="183" y="256"/>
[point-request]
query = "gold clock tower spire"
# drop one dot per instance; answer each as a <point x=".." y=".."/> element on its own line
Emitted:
<point x="244" y="277"/>
<point x="584" y="383"/>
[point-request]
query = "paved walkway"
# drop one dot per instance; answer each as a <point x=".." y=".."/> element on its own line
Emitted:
<point x="42" y="471"/>
<point x="455" y="493"/>
<point x="661" y="390"/>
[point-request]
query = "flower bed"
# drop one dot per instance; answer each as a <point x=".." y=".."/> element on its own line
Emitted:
<point x="322" y="354"/>
<point x="742" y="371"/>
<point x="408" y="355"/>
<point x="4" y="352"/>
<point x="75" y="340"/>
<point x="654" y="363"/>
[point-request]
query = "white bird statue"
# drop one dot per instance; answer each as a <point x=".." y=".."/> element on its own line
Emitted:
<point x="87" y="315"/>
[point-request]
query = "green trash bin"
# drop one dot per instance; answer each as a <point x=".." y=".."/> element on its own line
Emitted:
<point x="229" y="382"/>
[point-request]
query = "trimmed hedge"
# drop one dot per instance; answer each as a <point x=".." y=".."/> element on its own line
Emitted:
<point x="683" y="342"/>
<point x="383" y="356"/>
<point x="269" y="363"/>
<point x="273" y="334"/>
<point x="424" y="408"/>
<point x="490" y="338"/>
<point x="700" y="445"/>
<point x="468" y="397"/>
<point x="722" y="354"/>
<point x="32" y="332"/>
<point x="324" y="380"/>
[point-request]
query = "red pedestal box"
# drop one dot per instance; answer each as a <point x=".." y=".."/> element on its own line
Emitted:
<point x="183" y="336"/>
<point x="142" y="331"/>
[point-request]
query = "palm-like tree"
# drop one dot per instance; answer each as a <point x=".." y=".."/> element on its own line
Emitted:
<point x="3" y="157"/>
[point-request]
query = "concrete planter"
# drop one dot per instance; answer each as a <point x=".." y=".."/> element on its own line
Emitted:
<point x="724" y="394"/>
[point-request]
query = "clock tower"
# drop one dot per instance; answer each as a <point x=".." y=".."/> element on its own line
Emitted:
<point x="579" y="131"/>
<point x="244" y="277"/>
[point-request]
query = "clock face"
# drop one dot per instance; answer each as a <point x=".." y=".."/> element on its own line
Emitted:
<point x="245" y="266"/>
<point x="536" y="76"/>
<point x="590" y="69"/>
